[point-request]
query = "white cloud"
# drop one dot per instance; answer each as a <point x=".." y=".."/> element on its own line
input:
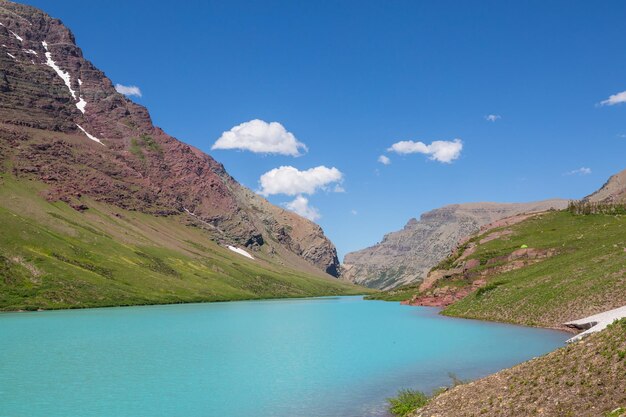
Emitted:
<point x="622" y="135"/>
<point x="128" y="90"/>
<point x="291" y="181"/>
<point x="354" y="212"/>
<point x="614" y="99"/>
<point x="383" y="159"/>
<point x="300" y="205"/>
<point x="492" y="117"/>
<point x="439" y="150"/>
<point x="580" y="171"/>
<point x="259" y="136"/>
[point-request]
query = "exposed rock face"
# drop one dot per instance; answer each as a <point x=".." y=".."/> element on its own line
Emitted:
<point x="613" y="191"/>
<point x="407" y="255"/>
<point x="62" y="122"/>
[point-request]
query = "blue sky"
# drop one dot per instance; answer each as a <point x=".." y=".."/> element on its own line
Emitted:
<point x="350" y="78"/>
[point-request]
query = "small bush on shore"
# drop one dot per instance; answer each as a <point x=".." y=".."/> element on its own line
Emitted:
<point x="406" y="401"/>
<point x="618" y="412"/>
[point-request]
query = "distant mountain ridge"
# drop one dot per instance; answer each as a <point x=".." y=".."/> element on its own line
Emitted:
<point x="63" y="123"/>
<point x="613" y="191"/>
<point x="406" y="256"/>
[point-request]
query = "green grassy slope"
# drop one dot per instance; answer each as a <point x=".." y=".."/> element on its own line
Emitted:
<point x="52" y="256"/>
<point x="586" y="276"/>
<point x="586" y="379"/>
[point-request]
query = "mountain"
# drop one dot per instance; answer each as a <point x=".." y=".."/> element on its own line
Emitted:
<point x="564" y="270"/>
<point x="407" y="255"/>
<point x="550" y="269"/>
<point x="69" y="137"/>
<point x="613" y="191"/>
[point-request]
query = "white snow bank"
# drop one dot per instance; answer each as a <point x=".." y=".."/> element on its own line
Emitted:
<point x="81" y="104"/>
<point x="596" y="322"/>
<point x="95" y="139"/>
<point x="18" y="37"/>
<point x="30" y="51"/>
<point x="240" y="251"/>
<point x="12" y="56"/>
<point x="65" y="76"/>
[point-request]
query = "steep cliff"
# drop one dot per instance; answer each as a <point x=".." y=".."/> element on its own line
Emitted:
<point x="63" y="123"/>
<point x="407" y="255"/>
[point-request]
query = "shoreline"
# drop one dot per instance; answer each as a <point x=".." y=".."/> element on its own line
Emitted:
<point x="39" y="310"/>
<point x="564" y="328"/>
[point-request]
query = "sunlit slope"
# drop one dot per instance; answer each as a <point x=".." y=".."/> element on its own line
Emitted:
<point x="53" y="256"/>
<point x="586" y="275"/>
<point x="544" y="271"/>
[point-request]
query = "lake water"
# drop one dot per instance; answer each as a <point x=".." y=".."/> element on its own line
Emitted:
<point x="335" y="357"/>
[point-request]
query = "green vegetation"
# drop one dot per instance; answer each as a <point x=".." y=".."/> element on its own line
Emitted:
<point x="618" y="412"/>
<point x="585" y="271"/>
<point x="52" y="256"/>
<point x="586" y="275"/>
<point x="144" y="142"/>
<point x="489" y="287"/>
<point x="582" y="271"/>
<point x="450" y="260"/>
<point x="586" y="208"/>
<point x="406" y="402"/>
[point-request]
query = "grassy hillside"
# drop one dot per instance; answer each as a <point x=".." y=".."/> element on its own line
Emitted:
<point x="586" y="379"/>
<point x="52" y="256"/>
<point x="587" y="274"/>
<point x="584" y="273"/>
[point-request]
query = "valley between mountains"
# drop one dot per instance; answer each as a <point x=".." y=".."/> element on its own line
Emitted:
<point x="99" y="207"/>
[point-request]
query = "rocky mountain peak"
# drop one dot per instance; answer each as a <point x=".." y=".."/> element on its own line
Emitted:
<point x="62" y="122"/>
<point x="613" y="191"/>
<point x="412" y="222"/>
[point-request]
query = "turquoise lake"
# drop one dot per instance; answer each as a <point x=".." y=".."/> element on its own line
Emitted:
<point x="335" y="357"/>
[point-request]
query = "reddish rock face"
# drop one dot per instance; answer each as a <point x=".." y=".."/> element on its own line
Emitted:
<point x="45" y="84"/>
<point x="445" y="296"/>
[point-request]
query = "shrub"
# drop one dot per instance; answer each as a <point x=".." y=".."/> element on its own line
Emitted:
<point x="586" y="208"/>
<point x="489" y="287"/>
<point x="618" y="412"/>
<point x="406" y="401"/>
